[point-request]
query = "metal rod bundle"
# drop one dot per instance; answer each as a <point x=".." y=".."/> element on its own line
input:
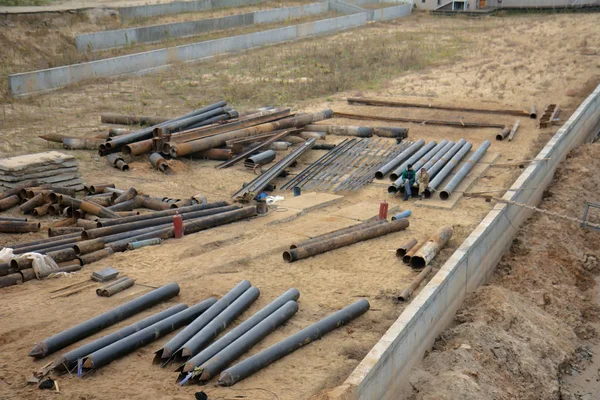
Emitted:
<point x="126" y="345"/>
<point x="431" y="248"/>
<point x="96" y="324"/>
<point x="464" y="170"/>
<point x="347" y="239"/>
<point x="279" y="350"/>
<point x="448" y="167"/>
<point x="237" y="332"/>
<point x="163" y="355"/>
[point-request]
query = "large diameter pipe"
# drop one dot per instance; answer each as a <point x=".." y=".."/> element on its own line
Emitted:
<point x="279" y="350"/>
<point x="420" y="242"/>
<point x="214" y="366"/>
<point x="96" y="324"/>
<point x="68" y="360"/>
<point x="383" y="171"/>
<point x="405" y="247"/>
<point x="440" y="176"/>
<point x="430" y="249"/>
<point x="344" y="240"/>
<point x="9" y="202"/>
<point x="438" y="156"/>
<point x="143" y="337"/>
<point x="395" y="175"/>
<point x="199" y="224"/>
<point x="109" y="230"/>
<point x="32" y="203"/>
<point x="406" y="293"/>
<point x="182" y="149"/>
<point x="434" y="154"/>
<point x="128" y="205"/>
<point x="219" y="324"/>
<point x="260" y="159"/>
<point x="19" y="226"/>
<point x="429" y="155"/>
<point x="239" y="331"/>
<point x="164" y="354"/>
<point x="503" y="134"/>
<point x="464" y="170"/>
<point x="446" y="157"/>
<point x="338" y="232"/>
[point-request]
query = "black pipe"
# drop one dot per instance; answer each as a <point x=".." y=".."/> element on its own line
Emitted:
<point x="216" y="364"/>
<point x="91" y="326"/>
<point x="260" y="159"/>
<point x="167" y="351"/>
<point x="279" y="350"/>
<point x="139" y="339"/>
<point x="238" y="331"/>
<point x="68" y="360"/>
<point x="218" y="325"/>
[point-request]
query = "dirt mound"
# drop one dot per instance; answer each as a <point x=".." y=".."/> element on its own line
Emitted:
<point x="513" y="336"/>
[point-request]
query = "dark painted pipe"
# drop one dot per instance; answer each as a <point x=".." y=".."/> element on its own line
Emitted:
<point x="383" y="171"/>
<point x="411" y="160"/>
<point x="238" y="331"/>
<point x="260" y="159"/>
<point x="118" y="287"/>
<point x="439" y="178"/>
<point x="164" y="354"/>
<point x="143" y="337"/>
<point x="219" y="324"/>
<point x="344" y="240"/>
<point x="464" y="170"/>
<point x="128" y="205"/>
<point x="211" y="368"/>
<point x="279" y="350"/>
<point x="96" y="324"/>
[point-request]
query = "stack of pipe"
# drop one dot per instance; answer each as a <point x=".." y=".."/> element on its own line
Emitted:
<point x="343" y="237"/>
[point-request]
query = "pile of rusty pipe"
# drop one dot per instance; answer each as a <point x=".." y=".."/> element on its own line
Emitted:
<point x="31" y="245"/>
<point x="406" y="293"/>
<point x="338" y="232"/>
<point x="17" y="189"/>
<point x="129" y="205"/>
<point x="431" y="248"/>
<point x="88" y="207"/>
<point x="420" y="242"/>
<point x="279" y="135"/>
<point x="41" y="210"/>
<point x="181" y="149"/>
<point x="405" y="247"/>
<point x="128" y="195"/>
<point x="105" y="231"/>
<point x="344" y="240"/>
<point x="122" y="119"/>
<point x="9" y="202"/>
<point x="36" y="201"/>
<point x="164" y="213"/>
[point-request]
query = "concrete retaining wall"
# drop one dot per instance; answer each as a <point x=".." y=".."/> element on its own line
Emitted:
<point x="152" y="10"/>
<point x="382" y="14"/>
<point x="384" y="372"/>
<point x="53" y="78"/>
<point x="540" y="3"/>
<point x="346" y="8"/>
<point x="155" y="33"/>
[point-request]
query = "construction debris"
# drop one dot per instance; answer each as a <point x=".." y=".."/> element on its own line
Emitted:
<point x="52" y="168"/>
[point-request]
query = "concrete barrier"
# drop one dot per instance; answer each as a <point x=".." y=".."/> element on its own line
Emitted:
<point x="386" y="13"/>
<point x="384" y="372"/>
<point x="152" y="10"/>
<point x="155" y="33"/>
<point x="48" y="79"/>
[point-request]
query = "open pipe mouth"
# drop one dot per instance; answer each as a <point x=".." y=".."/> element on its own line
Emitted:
<point x="378" y="175"/>
<point x="417" y="262"/>
<point x="401" y="299"/>
<point x="287" y="256"/>
<point x="14" y="264"/>
<point x="394" y="177"/>
<point x="84" y="236"/>
<point x="293" y="246"/>
<point x="392" y="189"/>
<point x="444" y="195"/>
<point x="400" y="253"/>
<point x="428" y="193"/>
<point x="533" y="115"/>
<point x="499" y="137"/>
<point x="406" y="259"/>
<point x="126" y="150"/>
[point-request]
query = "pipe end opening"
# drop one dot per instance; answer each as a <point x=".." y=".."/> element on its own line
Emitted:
<point x="287" y="256"/>
<point x="378" y="175"/>
<point x="392" y="189"/>
<point x="444" y="195"/>
<point x="394" y="177"/>
<point x="417" y="262"/>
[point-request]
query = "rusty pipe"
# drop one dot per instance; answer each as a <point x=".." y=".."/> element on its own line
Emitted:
<point x="88" y="207"/>
<point x="159" y="163"/>
<point x="27" y="274"/>
<point x="9" y="202"/>
<point x="19" y="226"/>
<point x="128" y="205"/>
<point x="431" y="248"/>
<point x="21" y="262"/>
<point x="358" y="131"/>
<point x="52" y="232"/>
<point x="420" y="242"/>
<point x="96" y="189"/>
<point x="154" y="204"/>
<point x="63" y="255"/>
<point x="404" y="248"/>
<point x="41" y="210"/>
<point x="406" y="293"/>
<point x="12" y="279"/>
<point x="17" y="189"/>
<point x="128" y="195"/>
<point x="344" y="240"/>
<point x="32" y="203"/>
<point x="503" y="134"/>
<point x="95" y="256"/>
<point x="214" y="154"/>
<point x="124" y="119"/>
<point x="103" y="201"/>
<point x="337" y="232"/>
<point x="137" y="148"/>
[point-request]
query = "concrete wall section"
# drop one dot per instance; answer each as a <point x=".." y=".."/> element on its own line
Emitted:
<point x="540" y="3"/>
<point x="53" y="78"/>
<point x="155" y="33"/>
<point x="345" y="8"/>
<point x="383" y="14"/>
<point x="180" y="7"/>
<point x="384" y="372"/>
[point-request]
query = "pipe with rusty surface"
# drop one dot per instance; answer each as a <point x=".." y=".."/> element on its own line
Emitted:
<point x="344" y="240"/>
<point x="405" y="247"/>
<point x="106" y="354"/>
<point x="431" y="248"/>
<point x="95" y="256"/>
<point x="17" y="189"/>
<point x="88" y="207"/>
<point x="420" y="242"/>
<point x="128" y="205"/>
<point x="19" y="226"/>
<point x="88" y="246"/>
<point x="117" y="287"/>
<point x="124" y="119"/>
<point x="36" y="201"/>
<point x="68" y="360"/>
<point x="338" y="232"/>
<point x="406" y="293"/>
<point x="158" y="162"/>
<point x="96" y="324"/>
<point x="10" y="280"/>
<point x="503" y="134"/>
<point x="127" y="195"/>
<point x="237" y="332"/>
<point x="357" y="131"/>
<point x="292" y="343"/>
<point x="164" y="354"/>
<point x="101" y="188"/>
<point x="214" y="154"/>
<point x="9" y="202"/>
<point x="464" y="170"/>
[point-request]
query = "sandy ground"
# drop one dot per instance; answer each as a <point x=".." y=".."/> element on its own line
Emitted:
<point x="504" y="62"/>
<point x="514" y="338"/>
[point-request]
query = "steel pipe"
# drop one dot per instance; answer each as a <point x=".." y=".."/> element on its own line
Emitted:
<point x="123" y="119"/>
<point x="19" y="226"/>
<point x="503" y="134"/>
<point x="464" y="170"/>
<point x="9" y="202"/>
<point x="279" y="350"/>
<point x="10" y="280"/>
<point x="117" y="287"/>
<point x="344" y="240"/>
<point x="390" y="132"/>
<point x="143" y="243"/>
<point x="88" y="246"/>
<point x="215" y="365"/>
<point x="17" y="189"/>
<point x="357" y="131"/>
<point x="440" y="176"/>
<point x="406" y="293"/>
<point x="403" y="214"/>
<point x="32" y="203"/>
<point x="96" y="189"/>
<point x="96" y="324"/>
<point x="88" y="207"/>
<point x="164" y="354"/>
<point x="239" y="331"/>
<point x="126" y="345"/>
<point x="95" y="256"/>
<point x="420" y="242"/>
<point x="128" y="205"/>
<point x="383" y="171"/>
<point x="337" y="232"/>
<point x="405" y="247"/>
<point x="395" y="175"/>
<point x="218" y="324"/>
<point x="260" y="159"/>
<point x="431" y="248"/>
<point x="128" y="195"/>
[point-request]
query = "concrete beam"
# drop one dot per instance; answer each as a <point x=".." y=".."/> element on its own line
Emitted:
<point x="155" y="33"/>
<point x="384" y="372"/>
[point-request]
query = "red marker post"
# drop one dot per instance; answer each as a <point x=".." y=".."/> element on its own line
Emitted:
<point x="383" y="210"/>
<point x="177" y="226"/>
